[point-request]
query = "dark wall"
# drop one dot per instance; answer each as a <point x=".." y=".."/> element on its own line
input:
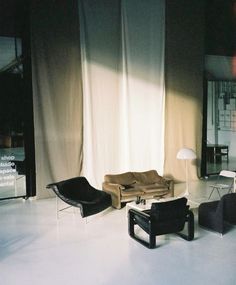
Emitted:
<point x="185" y="46"/>
<point x="221" y="27"/>
<point x="12" y="103"/>
<point x="11" y="17"/>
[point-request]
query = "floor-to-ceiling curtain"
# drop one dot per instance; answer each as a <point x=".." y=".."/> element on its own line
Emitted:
<point x="184" y="85"/>
<point x="57" y="91"/>
<point x="122" y="45"/>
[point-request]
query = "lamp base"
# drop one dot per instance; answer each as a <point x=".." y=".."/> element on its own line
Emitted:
<point x="189" y="197"/>
<point x="185" y="194"/>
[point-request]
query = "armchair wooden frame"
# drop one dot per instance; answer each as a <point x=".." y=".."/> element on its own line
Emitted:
<point x="152" y="225"/>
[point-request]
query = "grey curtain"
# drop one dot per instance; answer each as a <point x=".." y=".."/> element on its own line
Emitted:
<point x="57" y="91"/>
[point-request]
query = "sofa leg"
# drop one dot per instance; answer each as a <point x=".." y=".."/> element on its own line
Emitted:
<point x="118" y="206"/>
<point x="115" y="202"/>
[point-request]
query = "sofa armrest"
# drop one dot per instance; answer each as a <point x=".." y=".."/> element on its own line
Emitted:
<point x="112" y="188"/>
<point x="170" y="183"/>
<point x="115" y="191"/>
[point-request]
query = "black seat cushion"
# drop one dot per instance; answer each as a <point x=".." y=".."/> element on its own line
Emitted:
<point x="77" y="188"/>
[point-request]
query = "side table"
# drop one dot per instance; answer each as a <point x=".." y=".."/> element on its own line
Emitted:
<point x="147" y="205"/>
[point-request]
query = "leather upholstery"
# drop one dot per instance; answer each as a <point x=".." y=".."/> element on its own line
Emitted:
<point x="79" y="193"/>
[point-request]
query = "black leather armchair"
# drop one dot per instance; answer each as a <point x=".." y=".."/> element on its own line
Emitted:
<point x="163" y="218"/>
<point x="79" y="193"/>
<point x="215" y="215"/>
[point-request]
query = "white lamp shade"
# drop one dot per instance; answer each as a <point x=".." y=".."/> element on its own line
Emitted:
<point x="186" y="153"/>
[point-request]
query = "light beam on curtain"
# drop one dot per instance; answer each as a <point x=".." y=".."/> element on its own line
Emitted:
<point x="123" y="85"/>
<point x="142" y="80"/>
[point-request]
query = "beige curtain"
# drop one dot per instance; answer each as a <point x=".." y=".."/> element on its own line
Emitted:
<point x="184" y="85"/>
<point x="57" y="91"/>
<point x="123" y="86"/>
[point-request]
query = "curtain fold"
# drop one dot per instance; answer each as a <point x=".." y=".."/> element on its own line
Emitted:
<point x="123" y="86"/>
<point x="142" y="80"/>
<point x="57" y="92"/>
<point x="100" y="48"/>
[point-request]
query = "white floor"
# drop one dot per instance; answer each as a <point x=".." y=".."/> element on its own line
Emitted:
<point x="38" y="249"/>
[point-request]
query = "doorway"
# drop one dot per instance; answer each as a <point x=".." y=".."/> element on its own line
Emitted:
<point x="221" y="126"/>
<point x="219" y="108"/>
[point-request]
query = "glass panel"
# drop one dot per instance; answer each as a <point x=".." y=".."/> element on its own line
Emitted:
<point x="12" y="174"/>
<point x="10" y="55"/>
<point x="12" y="110"/>
<point x="221" y="125"/>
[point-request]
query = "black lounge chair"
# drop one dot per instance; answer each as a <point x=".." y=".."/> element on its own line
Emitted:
<point x="215" y="215"/>
<point x="79" y="193"/>
<point x="163" y="218"/>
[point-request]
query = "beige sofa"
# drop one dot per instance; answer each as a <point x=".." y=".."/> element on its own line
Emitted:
<point x="130" y="186"/>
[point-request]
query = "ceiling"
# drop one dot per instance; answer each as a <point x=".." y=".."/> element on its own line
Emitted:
<point x="221" y="27"/>
<point x="220" y="23"/>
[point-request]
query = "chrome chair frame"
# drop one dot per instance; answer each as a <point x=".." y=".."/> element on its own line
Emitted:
<point x="223" y="186"/>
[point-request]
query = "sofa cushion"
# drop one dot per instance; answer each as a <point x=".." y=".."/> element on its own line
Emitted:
<point x="148" y="177"/>
<point x="126" y="178"/>
<point x="156" y="191"/>
<point x="152" y="187"/>
<point x="131" y="192"/>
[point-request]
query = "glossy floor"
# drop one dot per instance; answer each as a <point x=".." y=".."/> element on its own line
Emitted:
<point x="37" y="248"/>
<point x="216" y="167"/>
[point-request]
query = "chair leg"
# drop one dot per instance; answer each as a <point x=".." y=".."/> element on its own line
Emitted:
<point x="131" y="224"/>
<point x="211" y="193"/>
<point x="190" y="221"/>
<point x="152" y="238"/>
<point x="190" y="226"/>
<point x="152" y="241"/>
<point x="57" y="208"/>
<point x="214" y="188"/>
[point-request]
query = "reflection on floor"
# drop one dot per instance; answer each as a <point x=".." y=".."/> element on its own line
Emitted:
<point x="213" y="168"/>
<point x="36" y="248"/>
<point x="17" y="187"/>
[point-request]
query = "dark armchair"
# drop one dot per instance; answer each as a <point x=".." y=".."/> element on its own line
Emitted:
<point x="215" y="215"/>
<point x="79" y="193"/>
<point x="162" y="218"/>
